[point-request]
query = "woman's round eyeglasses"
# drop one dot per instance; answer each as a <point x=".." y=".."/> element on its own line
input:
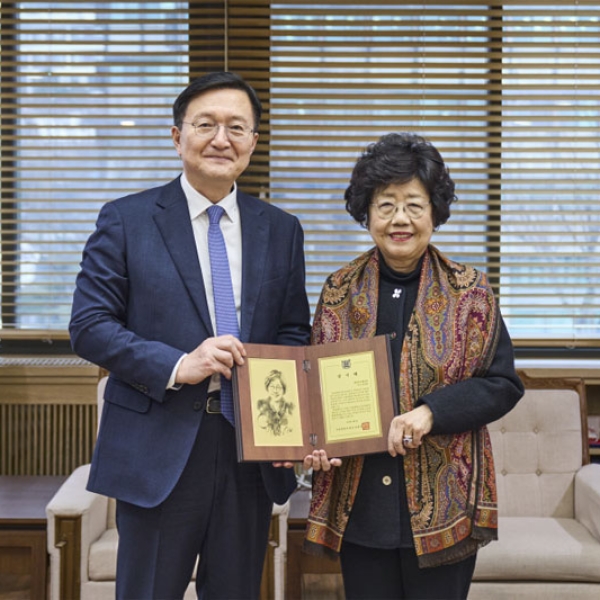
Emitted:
<point x="386" y="210"/>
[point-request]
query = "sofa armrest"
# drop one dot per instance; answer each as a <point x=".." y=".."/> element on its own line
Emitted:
<point x="587" y="498"/>
<point x="76" y="518"/>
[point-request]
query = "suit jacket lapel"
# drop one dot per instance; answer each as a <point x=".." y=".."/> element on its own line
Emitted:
<point x="255" y="242"/>
<point x="173" y="221"/>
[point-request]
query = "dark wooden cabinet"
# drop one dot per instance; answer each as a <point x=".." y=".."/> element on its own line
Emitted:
<point x="23" y="555"/>
<point x="302" y="567"/>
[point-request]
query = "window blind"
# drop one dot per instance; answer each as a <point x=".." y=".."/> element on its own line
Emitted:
<point x="87" y="90"/>
<point x="507" y="92"/>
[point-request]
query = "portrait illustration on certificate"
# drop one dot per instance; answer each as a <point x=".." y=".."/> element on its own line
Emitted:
<point x="276" y="418"/>
<point x="290" y="400"/>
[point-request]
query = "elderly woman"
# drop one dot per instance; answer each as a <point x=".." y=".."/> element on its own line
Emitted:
<point x="408" y="523"/>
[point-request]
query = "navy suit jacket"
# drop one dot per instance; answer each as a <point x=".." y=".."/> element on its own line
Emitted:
<point x="140" y="303"/>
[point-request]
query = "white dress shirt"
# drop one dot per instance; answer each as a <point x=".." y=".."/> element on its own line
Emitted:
<point x="232" y="232"/>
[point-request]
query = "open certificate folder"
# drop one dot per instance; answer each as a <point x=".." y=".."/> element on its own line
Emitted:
<point x="291" y="400"/>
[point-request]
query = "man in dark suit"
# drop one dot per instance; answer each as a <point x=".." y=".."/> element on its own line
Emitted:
<point x="144" y="309"/>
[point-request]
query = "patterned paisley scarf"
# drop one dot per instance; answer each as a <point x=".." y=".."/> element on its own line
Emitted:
<point x="452" y="335"/>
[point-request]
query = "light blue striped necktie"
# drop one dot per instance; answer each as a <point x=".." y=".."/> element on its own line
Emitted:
<point x="225" y="312"/>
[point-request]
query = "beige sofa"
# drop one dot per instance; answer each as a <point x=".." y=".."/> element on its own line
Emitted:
<point x="549" y="526"/>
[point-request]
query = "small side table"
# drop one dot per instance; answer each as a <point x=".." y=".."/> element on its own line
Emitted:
<point x="299" y="563"/>
<point x="23" y="555"/>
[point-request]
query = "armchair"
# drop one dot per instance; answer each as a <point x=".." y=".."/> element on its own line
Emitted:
<point x="549" y="498"/>
<point x="83" y="539"/>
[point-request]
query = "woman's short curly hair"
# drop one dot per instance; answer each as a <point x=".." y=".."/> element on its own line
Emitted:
<point x="399" y="158"/>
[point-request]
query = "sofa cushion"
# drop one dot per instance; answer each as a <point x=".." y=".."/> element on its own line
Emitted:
<point x="103" y="557"/>
<point x="539" y="548"/>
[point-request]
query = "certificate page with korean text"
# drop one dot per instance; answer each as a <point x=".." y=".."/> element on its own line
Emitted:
<point x="349" y="397"/>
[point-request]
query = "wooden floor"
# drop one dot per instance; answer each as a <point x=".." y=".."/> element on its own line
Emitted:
<point x="322" y="587"/>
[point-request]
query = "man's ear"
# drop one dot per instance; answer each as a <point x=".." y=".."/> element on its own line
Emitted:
<point x="175" y="136"/>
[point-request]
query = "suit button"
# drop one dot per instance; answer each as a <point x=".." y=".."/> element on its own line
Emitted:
<point x="387" y="480"/>
<point x="197" y="405"/>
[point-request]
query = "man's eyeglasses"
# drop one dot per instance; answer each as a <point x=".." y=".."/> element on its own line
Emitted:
<point x="208" y="130"/>
<point x="386" y="210"/>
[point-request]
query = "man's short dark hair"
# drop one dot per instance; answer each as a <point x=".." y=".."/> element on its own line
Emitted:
<point x="221" y="80"/>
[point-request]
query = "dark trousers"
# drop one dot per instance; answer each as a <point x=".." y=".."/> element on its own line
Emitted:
<point x="218" y="510"/>
<point x="376" y="574"/>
